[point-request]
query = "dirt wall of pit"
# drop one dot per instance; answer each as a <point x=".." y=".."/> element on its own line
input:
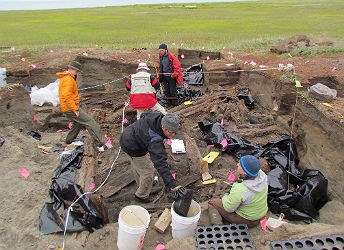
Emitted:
<point x="319" y="138"/>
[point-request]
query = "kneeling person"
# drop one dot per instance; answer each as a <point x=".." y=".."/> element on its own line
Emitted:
<point x="246" y="203"/>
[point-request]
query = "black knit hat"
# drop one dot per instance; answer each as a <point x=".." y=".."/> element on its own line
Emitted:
<point x="163" y="46"/>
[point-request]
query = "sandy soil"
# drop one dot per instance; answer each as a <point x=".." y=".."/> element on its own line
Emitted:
<point x="22" y="198"/>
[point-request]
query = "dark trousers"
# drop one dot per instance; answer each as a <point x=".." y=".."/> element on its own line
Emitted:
<point x="170" y="91"/>
<point x="84" y="121"/>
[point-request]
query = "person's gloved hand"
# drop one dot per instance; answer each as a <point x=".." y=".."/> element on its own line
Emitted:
<point x="179" y="191"/>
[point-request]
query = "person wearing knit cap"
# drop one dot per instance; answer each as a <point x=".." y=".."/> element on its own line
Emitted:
<point x="170" y="74"/>
<point x="246" y="203"/>
<point x="142" y="87"/>
<point x="69" y="105"/>
<point x="143" y="141"/>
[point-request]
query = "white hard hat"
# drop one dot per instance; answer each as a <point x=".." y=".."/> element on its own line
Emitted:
<point x="142" y="65"/>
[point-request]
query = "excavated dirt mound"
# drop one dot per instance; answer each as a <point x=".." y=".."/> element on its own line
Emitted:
<point x="317" y="130"/>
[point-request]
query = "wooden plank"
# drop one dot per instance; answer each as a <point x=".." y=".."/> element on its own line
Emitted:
<point x="164" y="221"/>
<point x="193" y="154"/>
<point x="117" y="184"/>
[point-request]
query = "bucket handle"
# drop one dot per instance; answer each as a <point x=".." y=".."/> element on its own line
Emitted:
<point x="130" y="211"/>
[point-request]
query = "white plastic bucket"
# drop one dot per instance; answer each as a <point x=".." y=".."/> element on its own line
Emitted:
<point x="3" y="76"/>
<point x="133" y="222"/>
<point x="183" y="227"/>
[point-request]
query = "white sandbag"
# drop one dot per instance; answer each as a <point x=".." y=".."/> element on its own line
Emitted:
<point x="48" y="94"/>
<point x="321" y="92"/>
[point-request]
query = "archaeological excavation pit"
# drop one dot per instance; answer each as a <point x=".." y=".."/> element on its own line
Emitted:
<point x="279" y="109"/>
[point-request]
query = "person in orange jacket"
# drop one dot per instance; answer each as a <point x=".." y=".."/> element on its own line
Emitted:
<point x="69" y="105"/>
<point x="170" y="74"/>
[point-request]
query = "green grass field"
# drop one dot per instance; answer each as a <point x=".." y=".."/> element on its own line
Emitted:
<point x="237" y="25"/>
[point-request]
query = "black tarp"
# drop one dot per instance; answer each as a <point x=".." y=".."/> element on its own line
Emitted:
<point x="63" y="192"/>
<point x="245" y="95"/>
<point x="299" y="195"/>
<point x="184" y="93"/>
<point x="193" y="75"/>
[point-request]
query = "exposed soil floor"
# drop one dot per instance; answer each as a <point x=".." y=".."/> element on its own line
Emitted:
<point x="317" y="129"/>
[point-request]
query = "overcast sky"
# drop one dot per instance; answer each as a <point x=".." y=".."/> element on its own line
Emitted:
<point x="55" y="4"/>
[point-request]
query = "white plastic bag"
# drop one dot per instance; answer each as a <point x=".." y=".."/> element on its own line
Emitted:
<point x="48" y="94"/>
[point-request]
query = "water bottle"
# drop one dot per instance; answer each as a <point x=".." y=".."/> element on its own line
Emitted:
<point x="3" y="76"/>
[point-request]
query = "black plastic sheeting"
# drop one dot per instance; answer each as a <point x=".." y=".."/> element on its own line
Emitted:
<point x="63" y="192"/>
<point x="194" y="75"/>
<point x="245" y="95"/>
<point x="35" y="135"/>
<point x="184" y="93"/>
<point x="299" y="195"/>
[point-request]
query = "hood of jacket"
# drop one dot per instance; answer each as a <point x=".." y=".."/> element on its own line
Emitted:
<point x="257" y="184"/>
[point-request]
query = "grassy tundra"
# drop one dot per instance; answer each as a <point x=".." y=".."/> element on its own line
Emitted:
<point x="236" y="25"/>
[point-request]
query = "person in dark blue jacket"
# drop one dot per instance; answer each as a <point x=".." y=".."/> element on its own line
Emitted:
<point x="143" y="141"/>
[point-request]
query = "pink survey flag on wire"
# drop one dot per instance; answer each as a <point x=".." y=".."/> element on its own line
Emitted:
<point x="263" y="224"/>
<point x="108" y="143"/>
<point x="59" y="131"/>
<point x="174" y="175"/>
<point x="24" y="172"/>
<point x="125" y="121"/>
<point x="231" y="177"/>
<point x="35" y="118"/>
<point x="224" y="142"/>
<point x="70" y="125"/>
<point x="91" y="187"/>
<point x="222" y="122"/>
<point x="169" y="142"/>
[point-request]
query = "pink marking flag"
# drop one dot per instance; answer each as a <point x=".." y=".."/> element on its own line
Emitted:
<point x="224" y="142"/>
<point x="59" y="131"/>
<point x="174" y="175"/>
<point x="231" y="177"/>
<point x="182" y="56"/>
<point x="108" y="144"/>
<point x="125" y="121"/>
<point x="22" y="59"/>
<point x="70" y="125"/>
<point x="208" y="57"/>
<point x="263" y="224"/>
<point x="333" y="69"/>
<point x="24" y="172"/>
<point x="222" y="122"/>
<point x="106" y="136"/>
<point x="32" y="66"/>
<point x="169" y="142"/>
<point x="126" y="104"/>
<point x="160" y="247"/>
<point x="91" y="187"/>
<point x="212" y="145"/>
<point x="35" y="118"/>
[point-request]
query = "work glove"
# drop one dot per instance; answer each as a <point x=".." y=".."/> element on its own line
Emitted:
<point x="179" y="191"/>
